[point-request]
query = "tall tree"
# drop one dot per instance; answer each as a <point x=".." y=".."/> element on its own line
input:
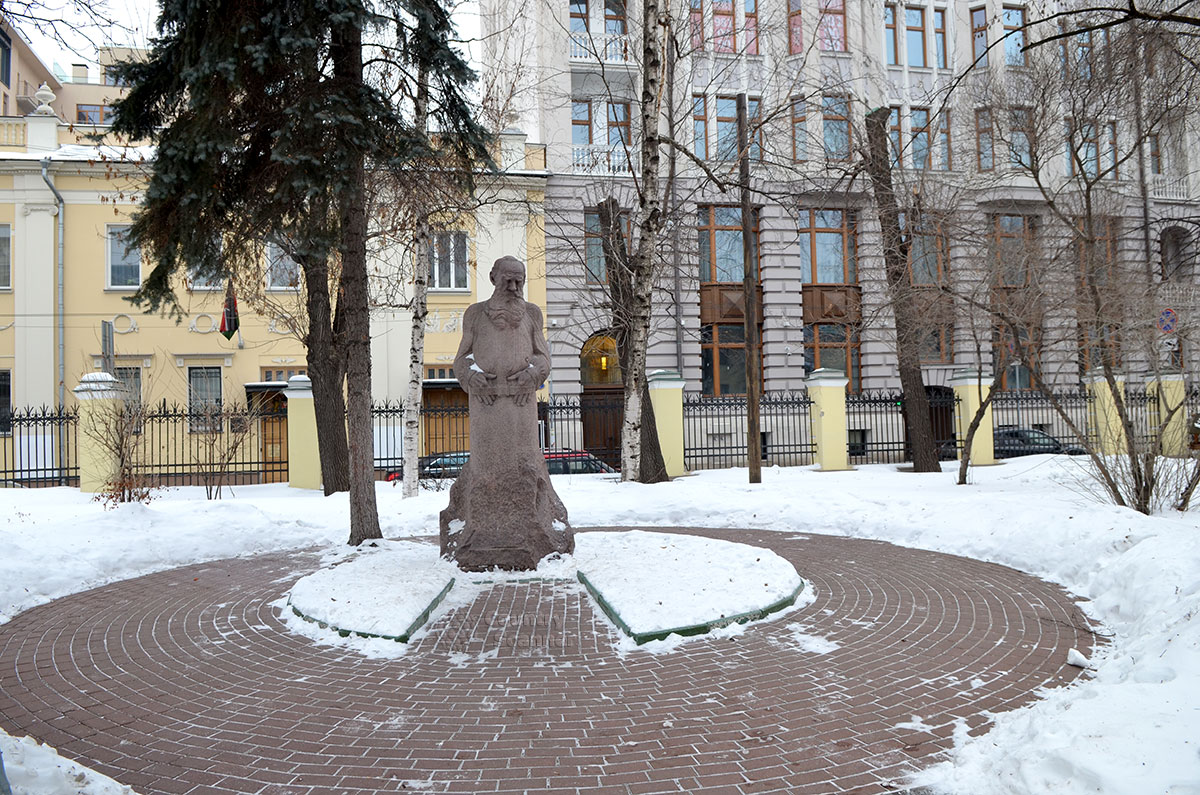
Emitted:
<point x="265" y="121"/>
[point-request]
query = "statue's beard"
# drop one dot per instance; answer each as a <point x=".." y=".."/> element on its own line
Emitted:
<point x="505" y="313"/>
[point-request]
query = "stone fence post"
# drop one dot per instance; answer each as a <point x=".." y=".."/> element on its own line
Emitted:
<point x="1105" y="422"/>
<point x="304" y="457"/>
<point x="1171" y="394"/>
<point x="827" y="390"/>
<point x="972" y="388"/>
<point x="666" y="396"/>
<point x="100" y="397"/>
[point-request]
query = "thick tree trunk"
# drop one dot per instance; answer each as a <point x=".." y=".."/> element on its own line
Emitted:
<point x="895" y="258"/>
<point x="327" y="372"/>
<point x="354" y="306"/>
<point x="416" y="361"/>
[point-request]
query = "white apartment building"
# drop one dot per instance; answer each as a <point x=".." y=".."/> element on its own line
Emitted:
<point x="979" y="145"/>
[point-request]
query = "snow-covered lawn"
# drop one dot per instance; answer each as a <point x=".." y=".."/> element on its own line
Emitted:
<point x="1129" y="728"/>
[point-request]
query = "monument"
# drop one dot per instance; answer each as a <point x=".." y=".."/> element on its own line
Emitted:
<point x="503" y="512"/>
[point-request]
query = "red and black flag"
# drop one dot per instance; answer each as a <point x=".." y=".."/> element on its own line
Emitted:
<point x="229" y="317"/>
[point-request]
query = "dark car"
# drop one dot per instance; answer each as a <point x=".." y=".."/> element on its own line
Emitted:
<point x="558" y="462"/>
<point x="1014" y="442"/>
<point x="574" y="462"/>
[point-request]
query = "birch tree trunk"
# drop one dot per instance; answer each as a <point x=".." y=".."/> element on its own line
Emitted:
<point x="416" y="361"/>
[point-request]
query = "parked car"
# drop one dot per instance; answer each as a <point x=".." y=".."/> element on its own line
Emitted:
<point x="574" y="462"/>
<point x="1013" y="442"/>
<point x="558" y="462"/>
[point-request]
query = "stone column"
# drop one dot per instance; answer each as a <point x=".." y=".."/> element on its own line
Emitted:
<point x="666" y="395"/>
<point x="1171" y="392"/>
<point x="100" y="398"/>
<point x="827" y="390"/>
<point x="972" y="388"/>
<point x="1103" y="420"/>
<point x="304" y="457"/>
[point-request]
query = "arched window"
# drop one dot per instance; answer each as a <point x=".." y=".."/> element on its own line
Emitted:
<point x="598" y="362"/>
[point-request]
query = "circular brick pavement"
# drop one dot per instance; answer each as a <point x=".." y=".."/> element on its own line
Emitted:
<point x="187" y="681"/>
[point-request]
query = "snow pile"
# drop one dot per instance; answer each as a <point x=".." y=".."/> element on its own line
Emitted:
<point x="1128" y="726"/>
<point x="36" y="769"/>
<point x="380" y="590"/>
<point x="660" y="581"/>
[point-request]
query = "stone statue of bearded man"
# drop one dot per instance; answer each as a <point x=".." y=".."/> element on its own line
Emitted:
<point x="503" y="512"/>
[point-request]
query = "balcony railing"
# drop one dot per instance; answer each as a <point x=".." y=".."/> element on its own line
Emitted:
<point x="609" y="47"/>
<point x="1170" y="188"/>
<point x="600" y="159"/>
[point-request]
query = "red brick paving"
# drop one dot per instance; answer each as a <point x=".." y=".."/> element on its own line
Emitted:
<point x="186" y="681"/>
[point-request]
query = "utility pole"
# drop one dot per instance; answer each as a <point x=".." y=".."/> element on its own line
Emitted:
<point x="750" y="296"/>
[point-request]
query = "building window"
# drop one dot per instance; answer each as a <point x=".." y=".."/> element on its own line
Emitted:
<point x="984" y="141"/>
<point x="1012" y="249"/>
<point x="945" y="161"/>
<point x="833" y="347"/>
<point x="700" y="126"/>
<point x="831" y="26"/>
<point x="614" y="17"/>
<point x="723" y="359"/>
<point x="724" y="39"/>
<point x="937" y="344"/>
<point x="827" y="246"/>
<point x="835" y="111"/>
<point x="799" y="129"/>
<point x="5" y="257"/>
<point x="751" y="27"/>
<point x="579" y="16"/>
<point x="283" y="272"/>
<point x="124" y="260"/>
<point x="895" y="137"/>
<point x="1111" y="155"/>
<point x="795" y="28"/>
<point x="1083" y="149"/>
<point x="93" y="114"/>
<point x="979" y="35"/>
<point x="5" y="59"/>
<point x="131" y="384"/>
<point x="1155" y="147"/>
<point x="919" y="118"/>
<point x="5" y="401"/>
<point x="720" y="241"/>
<point x="204" y="399"/>
<point x="1014" y="36"/>
<point x="280" y="374"/>
<point x="581" y="123"/>
<point x="448" y="261"/>
<point x="1020" y="144"/>
<point x="727" y="137"/>
<point x="891" y="37"/>
<point x="928" y="254"/>
<point x="1012" y="357"/>
<point x="595" y="269"/>
<point x="618" y="124"/>
<point x="914" y="36"/>
<point x="203" y="281"/>
<point x="697" y="20"/>
<point x="599" y="364"/>
<point x="939" y="38"/>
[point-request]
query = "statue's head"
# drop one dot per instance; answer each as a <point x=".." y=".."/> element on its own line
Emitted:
<point x="508" y="274"/>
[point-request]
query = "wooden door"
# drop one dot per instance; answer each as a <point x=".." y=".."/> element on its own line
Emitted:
<point x="446" y="427"/>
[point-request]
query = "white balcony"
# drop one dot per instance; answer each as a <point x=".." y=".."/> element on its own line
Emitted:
<point x="609" y="47"/>
<point x="1170" y="188"/>
<point x="601" y="159"/>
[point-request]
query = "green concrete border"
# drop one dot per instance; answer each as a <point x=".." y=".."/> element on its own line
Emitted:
<point x="417" y="623"/>
<point x="694" y="629"/>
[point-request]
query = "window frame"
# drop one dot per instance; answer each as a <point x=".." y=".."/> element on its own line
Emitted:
<point x="457" y="245"/>
<point x="724" y="39"/>
<point x="1021" y="121"/>
<point x="1028" y="234"/>
<point x="573" y="15"/>
<point x="696" y="18"/>
<point x="850" y="345"/>
<point x="909" y="29"/>
<point x="921" y="132"/>
<point x="847" y="230"/>
<point x="623" y="126"/>
<point x="799" y="129"/>
<point x="113" y="235"/>
<point x="1154" y="144"/>
<point x="1014" y="37"/>
<point x="616" y="24"/>
<point x="93" y="114"/>
<point x="6" y="258"/>
<point x="985" y="132"/>
<point x="750" y="25"/>
<point x="726" y="128"/>
<point x="979" y="35"/>
<point x="891" y="36"/>
<point x="700" y="126"/>
<point x="578" y="124"/>
<point x="711" y="348"/>
<point x="199" y="421"/>
<point x="795" y="27"/>
<point x="941" y="52"/>
<point x="836" y="120"/>
<point x="710" y="228"/>
<point x="831" y="13"/>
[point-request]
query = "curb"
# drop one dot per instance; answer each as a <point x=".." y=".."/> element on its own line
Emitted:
<point x="403" y="637"/>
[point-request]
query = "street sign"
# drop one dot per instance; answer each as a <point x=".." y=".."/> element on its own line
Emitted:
<point x="1167" y="320"/>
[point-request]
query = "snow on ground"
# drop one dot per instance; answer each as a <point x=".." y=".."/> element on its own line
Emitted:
<point x="1126" y="727"/>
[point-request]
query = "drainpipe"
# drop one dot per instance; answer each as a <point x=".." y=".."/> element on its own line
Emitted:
<point x="62" y="372"/>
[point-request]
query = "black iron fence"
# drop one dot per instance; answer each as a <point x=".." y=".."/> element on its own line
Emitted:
<point x="714" y="430"/>
<point x="39" y="447"/>
<point x="875" y="426"/>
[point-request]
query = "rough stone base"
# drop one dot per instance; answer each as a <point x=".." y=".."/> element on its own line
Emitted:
<point x="508" y="521"/>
